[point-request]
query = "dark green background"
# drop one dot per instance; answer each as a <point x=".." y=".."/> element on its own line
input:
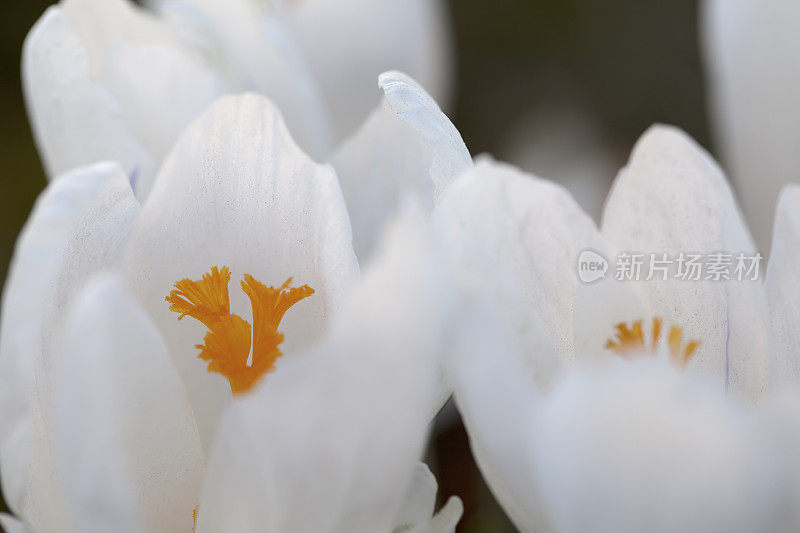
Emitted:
<point x="629" y="62"/>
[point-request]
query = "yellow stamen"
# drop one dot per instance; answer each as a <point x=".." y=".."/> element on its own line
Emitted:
<point x="227" y="344"/>
<point x="630" y="341"/>
<point x="205" y="300"/>
<point x="194" y="517"/>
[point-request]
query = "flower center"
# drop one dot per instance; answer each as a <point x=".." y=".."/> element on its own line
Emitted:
<point x="629" y="341"/>
<point x="227" y="344"/>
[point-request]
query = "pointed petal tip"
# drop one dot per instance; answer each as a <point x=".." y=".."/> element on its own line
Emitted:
<point x="40" y="30"/>
<point x="487" y="170"/>
<point x="413" y="105"/>
<point x="244" y="99"/>
<point x="225" y="110"/>
<point x="670" y="147"/>
<point x="487" y="161"/>
<point x="231" y="115"/>
<point x="399" y="88"/>
<point x="396" y="76"/>
<point x="667" y="138"/>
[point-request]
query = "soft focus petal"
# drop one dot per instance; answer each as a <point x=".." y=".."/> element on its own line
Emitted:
<point x="496" y="394"/>
<point x="638" y="447"/>
<point x="160" y="92"/>
<point x="330" y="441"/>
<point x="348" y="43"/>
<point x="106" y="81"/>
<point x="128" y="452"/>
<point x="414" y="106"/>
<point x="673" y="198"/>
<point x="385" y="161"/>
<point x="102" y="23"/>
<point x="253" y="51"/>
<point x="11" y="525"/>
<point x="236" y="191"/>
<point x="158" y="84"/>
<point x="444" y="521"/>
<point x="516" y="239"/>
<point x="79" y="225"/>
<point x="421" y="498"/>
<point x="398" y="151"/>
<point x="754" y="73"/>
<point x="75" y="119"/>
<point x="783" y="288"/>
<point x="417" y="514"/>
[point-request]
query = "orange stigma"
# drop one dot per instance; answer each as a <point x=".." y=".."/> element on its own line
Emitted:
<point x="227" y="344"/>
<point x="629" y="341"/>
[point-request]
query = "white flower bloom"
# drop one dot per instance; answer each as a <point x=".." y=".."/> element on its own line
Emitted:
<point x="754" y="78"/>
<point x="106" y="80"/>
<point x="108" y="417"/>
<point x="572" y="436"/>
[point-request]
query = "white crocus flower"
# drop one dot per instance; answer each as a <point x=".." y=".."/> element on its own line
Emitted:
<point x="107" y="416"/>
<point x="754" y="79"/>
<point x="106" y="80"/>
<point x="624" y="406"/>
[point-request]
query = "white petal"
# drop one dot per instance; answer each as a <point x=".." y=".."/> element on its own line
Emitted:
<point x="496" y="394"/>
<point x="128" y="452"/>
<point x="254" y="51"/>
<point x="348" y="43"/>
<point x="754" y="75"/>
<point x="330" y="441"/>
<point x="11" y="525"/>
<point x="409" y="101"/>
<point x="76" y="120"/>
<point x="236" y="191"/>
<point x="132" y="77"/>
<point x="639" y="447"/>
<point x="160" y="90"/>
<point x="783" y="287"/>
<point x="79" y="225"/>
<point x="673" y="198"/>
<point x="420" y="500"/>
<point x="382" y="163"/>
<point x="417" y="514"/>
<point x="444" y="521"/>
<point x="516" y="240"/>
<point x="101" y="23"/>
<point x="395" y="155"/>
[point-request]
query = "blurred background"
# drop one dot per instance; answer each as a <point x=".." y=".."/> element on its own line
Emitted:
<point x="560" y="88"/>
